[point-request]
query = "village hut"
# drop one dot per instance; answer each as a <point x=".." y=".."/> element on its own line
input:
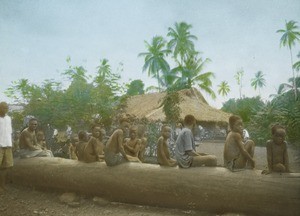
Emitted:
<point x="149" y="106"/>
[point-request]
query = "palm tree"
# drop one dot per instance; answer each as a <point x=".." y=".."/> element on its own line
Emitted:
<point x="290" y="35"/>
<point x="155" y="58"/>
<point x="259" y="81"/>
<point x="192" y="74"/>
<point x="239" y="78"/>
<point x="224" y="88"/>
<point x="181" y="41"/>
<point x="296" y="66"/>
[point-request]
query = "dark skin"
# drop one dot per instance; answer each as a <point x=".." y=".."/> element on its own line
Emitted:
<point x="235" y="149"/>
<point x="94" y="150"/>
<point x="163" y="154"/>
<point x="115" y="142"/>
<point x="277" y="155"/>
<point x="28" y="137"/>
<point x="132" y="146"/>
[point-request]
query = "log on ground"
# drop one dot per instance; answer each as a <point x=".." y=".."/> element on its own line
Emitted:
<point x="213" y="189"/>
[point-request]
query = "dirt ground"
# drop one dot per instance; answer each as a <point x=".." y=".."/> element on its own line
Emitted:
<point x="19" y="200"/>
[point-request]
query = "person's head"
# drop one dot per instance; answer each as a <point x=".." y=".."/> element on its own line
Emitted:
<point x="96" y="131"/>
<point x="82" y="135"/>
<point x="74" y="139"/>
<point x="278" y="133"/>
<point x="133" y="132"/>
<point x="125" y="124"/>
<point x="40" y="136"/>
<point x="236" y="124"/>
<point x="3" y="108"/>
<point x="32" y="124"/>
<point x="189" y="121"/>
<point x="166" y="131"/>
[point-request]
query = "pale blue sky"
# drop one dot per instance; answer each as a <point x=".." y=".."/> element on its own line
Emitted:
<point x="37" y="36"/>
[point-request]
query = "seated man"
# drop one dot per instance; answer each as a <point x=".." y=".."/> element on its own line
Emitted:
<point x="277" y="155"/>
<point x="94" y="150"/>
<point x="28" y="142"/>
<point x="132" y="145"/>
<point x="114" y="151"/>
<point x="72" y="146"/>
<point x="237" y="154"/>
<point x="163" y="154"/>
<point x="185" y="150"/>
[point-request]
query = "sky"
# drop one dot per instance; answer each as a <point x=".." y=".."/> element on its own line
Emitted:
<point x="36" y="37"/>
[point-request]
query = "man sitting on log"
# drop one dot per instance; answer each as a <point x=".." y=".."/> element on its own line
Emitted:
<point x="277" y="155"/>
<point x="163" y="154"/>
<point x="238" y="154"/>
<point x="72" y="146"/>
<point x="94" y="149"/>
<point x="114" y="151"/>
<point x="185" y="150"/>
<point x="83" y="139"/>
<point x="28" y="142"/>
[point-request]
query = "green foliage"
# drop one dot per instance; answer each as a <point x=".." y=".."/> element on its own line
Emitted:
<point x="78" y="104"/>
<point x="244" y="107"/>
<point x="224" y="88"/>
<point x="135" y="87"/>
<point x="171" y="107"/>
<point x="258" y="81"/>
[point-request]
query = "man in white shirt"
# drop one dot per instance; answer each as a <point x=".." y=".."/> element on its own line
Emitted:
<point x="6" y="156"/>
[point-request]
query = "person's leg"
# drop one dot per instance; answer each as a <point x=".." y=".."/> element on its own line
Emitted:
<point x="207" y="160"/>
<point x="250" y="146"/>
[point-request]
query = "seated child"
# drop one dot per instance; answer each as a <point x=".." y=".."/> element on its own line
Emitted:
<point x="163" y="154"/>
<point x="94" y="149"/>
<point x="40" y="138"/>
<point x="237" y="153"/>
<point x="83" y="138"/>
<point x="114" y="150"/>
<point x="132" y="145"/>
<point x="72" y="148"/>
<point x="143" y="138"/>
<point x="277" y="155"/>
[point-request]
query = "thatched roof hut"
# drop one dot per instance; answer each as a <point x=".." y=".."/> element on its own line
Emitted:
<point x="149" y="106"/>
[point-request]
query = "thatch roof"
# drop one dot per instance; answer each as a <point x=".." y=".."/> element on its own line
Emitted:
<point x="149" y="106"/>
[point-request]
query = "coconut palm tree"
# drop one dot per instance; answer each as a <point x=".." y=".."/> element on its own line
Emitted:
<point x="258" y="81"/>
<point x="239" y="78"/>
<point x="192" y="74"/>
<point x="155" y="58"/>
<point x="181" y="42"/>
<point x="289" y="37"/>
<point x="224" y="88"/>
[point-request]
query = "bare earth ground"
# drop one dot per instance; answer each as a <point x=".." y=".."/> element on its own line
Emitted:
<point x="18" y="200"/>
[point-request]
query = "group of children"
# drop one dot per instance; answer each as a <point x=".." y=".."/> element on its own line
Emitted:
<point x="238" y="153"/>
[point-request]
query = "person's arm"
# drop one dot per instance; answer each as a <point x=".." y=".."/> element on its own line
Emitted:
<point x="188" y="144"/>
<point x="162" y="158"/>
<point x="286" y="158"/>
<point x="239" y="140"/>
<point x="137" y="147"/>
<point x="269" y="156"/>
<point x="28" y="142"/>
<point x="120" y="144"/>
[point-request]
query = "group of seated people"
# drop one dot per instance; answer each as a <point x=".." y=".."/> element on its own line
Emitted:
<point x="238" y="153"/>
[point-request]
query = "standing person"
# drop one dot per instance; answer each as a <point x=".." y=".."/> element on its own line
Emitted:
<point x="114" y="151"/>
<point x="185" y="150"/>
<point x="6" y="155"/>
<point x="237" y="154"/>
<point x="163" y="154"/>
<point x="28" y="142"/>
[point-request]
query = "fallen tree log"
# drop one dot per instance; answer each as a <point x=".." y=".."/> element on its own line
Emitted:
<point x="207" y="189"/>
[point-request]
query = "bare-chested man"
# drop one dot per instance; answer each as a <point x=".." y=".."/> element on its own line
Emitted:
<point x="94" y="150"/>
<point x="277" y="155"/>
<point x="132" y="145"/>
<point x="163" y="154"/>
<point x="114" y="151"/>
<point x="28" y="142"/>
<point x="83" y="139"/>
<point x="237" y="154"/>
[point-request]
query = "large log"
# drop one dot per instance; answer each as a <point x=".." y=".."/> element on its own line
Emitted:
<point x="207" y="189"/>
